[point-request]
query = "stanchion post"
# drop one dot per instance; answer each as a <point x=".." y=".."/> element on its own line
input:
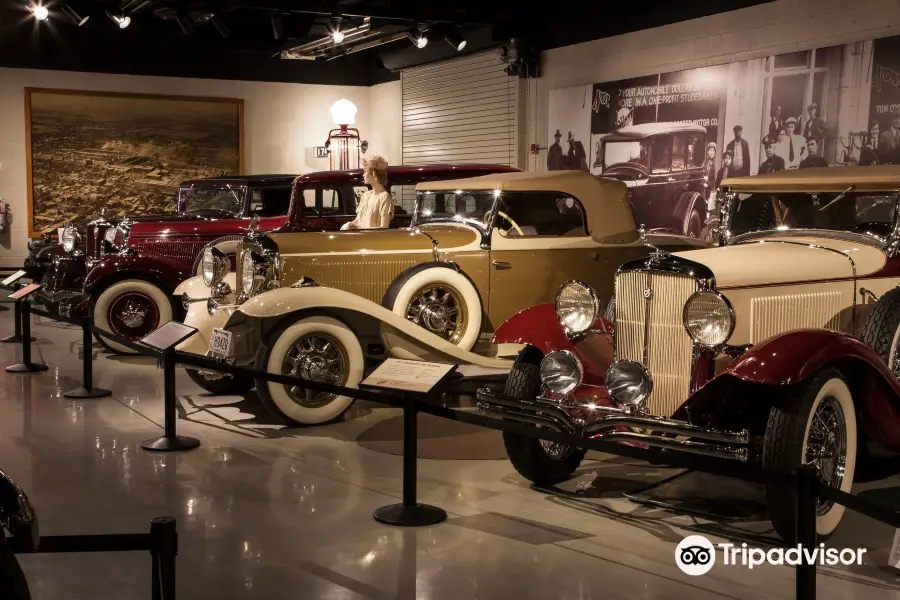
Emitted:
<point x="164" y="536"/>
<point x="87" y="389"/>
<point x="170" y="440"/>
<point x="16" y="337"/>
<point x="807" y="484"/>
<point x="410" y="513"/>
<point x="26" y="366"/>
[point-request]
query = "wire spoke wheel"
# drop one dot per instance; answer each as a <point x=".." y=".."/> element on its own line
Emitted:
<point x="826" y="446"/>
<point x="317" y="357"/>
<point x="556" y="450"/>
<point x="441" y="310"/>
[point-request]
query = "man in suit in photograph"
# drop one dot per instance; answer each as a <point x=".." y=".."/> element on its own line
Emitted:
<point x="890" y="142"/>
<point x="773" y="162"/>
<point x="869" y="155"/>
<point x="791" y="147"/>
<point x="740" y="150"/>
<point x="776" y="122"/>
<point x="814" y="127"/>
<point x="576" y="159"/>
<point x="812" y="157"/>
<point x="555" y="160"/>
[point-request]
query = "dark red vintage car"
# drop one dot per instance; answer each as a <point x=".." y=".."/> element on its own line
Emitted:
<point x="130" y="289"/>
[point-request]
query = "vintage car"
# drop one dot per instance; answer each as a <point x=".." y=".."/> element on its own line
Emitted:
<point x="662" y="165"/>
<point x="779" y="347"/>
<point x="478" y="251"/>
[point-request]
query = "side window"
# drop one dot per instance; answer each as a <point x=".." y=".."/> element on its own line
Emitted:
<point x="679" y="152"/>
<point x="404" y="199"/>
<point x="270" y="202"/>
<point x="541" y="214"/>
<point x="309" y="201"/>
<point x="661" y="154"/>
<point x="339" y="202"/>
<point x="696" y="150"/>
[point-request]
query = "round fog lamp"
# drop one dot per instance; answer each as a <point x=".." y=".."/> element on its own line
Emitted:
<point x="708" y="318"/>
<point x="561" y="371"/>
<point x="577" y="306"/>
<point x="628" y="382"/>
<point x="110" y="235"/>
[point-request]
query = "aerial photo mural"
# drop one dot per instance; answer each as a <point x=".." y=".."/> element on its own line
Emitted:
<point x="124" y="154"/>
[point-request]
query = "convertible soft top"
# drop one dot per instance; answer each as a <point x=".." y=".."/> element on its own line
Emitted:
<point x="882" y="178"/>
<point x="605" y="201"/>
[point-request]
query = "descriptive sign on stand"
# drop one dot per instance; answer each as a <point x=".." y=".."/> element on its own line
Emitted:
<point x="169" y="335"/>
<point x="25" y="292"/>
<point x="408" y="375"/>
<point x="13" y="278"/>
<point x="894" y="559"/>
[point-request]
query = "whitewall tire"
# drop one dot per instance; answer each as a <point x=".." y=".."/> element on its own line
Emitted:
<point x="439" y="299"/>
<point x="132" y="309"/>
<point x="318" y="348"/>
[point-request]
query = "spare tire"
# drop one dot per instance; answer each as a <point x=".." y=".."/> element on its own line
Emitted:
<point x="881" y="331"/>
<point x="440" y="299"/>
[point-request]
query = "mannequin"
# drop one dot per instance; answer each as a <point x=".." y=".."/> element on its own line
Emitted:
<point x="376" y="207"/>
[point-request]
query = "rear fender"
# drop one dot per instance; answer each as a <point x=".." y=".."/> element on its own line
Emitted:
<point x="17" y="514"/>
<point x="539" y="327"/>
<point x="124" y="266"/>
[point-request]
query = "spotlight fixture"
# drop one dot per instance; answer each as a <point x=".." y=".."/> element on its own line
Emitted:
<point x="417" y="38"/>
<point x="74" y="16"/>
<point x="184" y="21"/>
<point x="40" y="12"/>
<point x="221" y="26"/>
<point x="278" y="28"/>
<point x="336" y="34"/>
<point x="123" y="21"/>
<point x="454" y="39"/>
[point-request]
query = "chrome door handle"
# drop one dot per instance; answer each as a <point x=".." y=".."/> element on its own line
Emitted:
<point x="501" y="264"/>
<point x="670" y="179"/>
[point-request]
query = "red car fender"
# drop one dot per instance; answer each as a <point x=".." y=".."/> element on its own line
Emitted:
<point x="538" y="326"/>
<point x="124" y="266"/>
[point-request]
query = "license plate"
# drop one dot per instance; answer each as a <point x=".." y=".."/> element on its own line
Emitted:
<point x="220" y="343"/>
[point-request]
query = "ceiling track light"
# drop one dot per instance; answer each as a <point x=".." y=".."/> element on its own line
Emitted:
<point x="74" y="15"/>
<point x="221" y="26"/>
<point x="122" y="20"/>
<point x="278" y="28"/>
<point x="454" y="39"/>
<point x="417" y="38"/>
<point x="337" y="35"/>
<point x="39" y="11"/>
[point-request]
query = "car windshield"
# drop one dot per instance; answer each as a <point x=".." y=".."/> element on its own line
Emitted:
<point x="637" y="153"/>
<point x="457" y="205"/>
<point x="228" y="200"/>
<point x="860" y="212"/>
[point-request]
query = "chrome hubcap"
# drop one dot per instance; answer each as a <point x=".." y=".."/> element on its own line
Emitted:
<point x="439" y="309"/>
<point x="826" y="446"/>
<point x="133" y="315"/>
<point x="317" y="357"/>
<point x="556" y="450"/>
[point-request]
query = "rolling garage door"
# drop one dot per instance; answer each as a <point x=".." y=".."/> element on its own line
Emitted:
<point x="459" y="111"/>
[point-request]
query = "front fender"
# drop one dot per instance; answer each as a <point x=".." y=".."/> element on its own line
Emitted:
<point x="402" y="338"/>
<point x="123" y="266"/>
<point x="538" y="326"/>
<point x="17" y="515"/>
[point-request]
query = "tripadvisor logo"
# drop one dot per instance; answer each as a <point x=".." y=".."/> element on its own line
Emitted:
<point x="696" y="555"/>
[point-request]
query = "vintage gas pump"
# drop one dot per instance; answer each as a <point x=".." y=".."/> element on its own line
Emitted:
<point x="345" y="148"/>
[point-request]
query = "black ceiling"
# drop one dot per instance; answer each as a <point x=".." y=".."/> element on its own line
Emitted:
<point x="156" y="43"/>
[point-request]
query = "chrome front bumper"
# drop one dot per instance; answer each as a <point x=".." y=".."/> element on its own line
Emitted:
<point x="611" y="424"/>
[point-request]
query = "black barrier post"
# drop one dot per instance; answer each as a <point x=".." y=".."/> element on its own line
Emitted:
<point x="16" y="337"/>
<point x="164" y="538"/>
<point x="410" y="513"/>
<point x="807" y="483"/>
<point x="170" y="441"/>
<point x="87" y="389"/>
<point x="26" y="366"/>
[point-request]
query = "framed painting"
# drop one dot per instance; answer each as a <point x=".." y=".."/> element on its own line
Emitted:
<point x="123" y="154"/>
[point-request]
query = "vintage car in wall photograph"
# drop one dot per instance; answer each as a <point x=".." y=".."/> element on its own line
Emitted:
<point x="779" y="347"/>
<point x="478" y="251"/>
<point x="662" y="165"/>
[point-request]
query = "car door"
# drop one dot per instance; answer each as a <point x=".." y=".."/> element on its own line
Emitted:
<point x="542" y="244"/>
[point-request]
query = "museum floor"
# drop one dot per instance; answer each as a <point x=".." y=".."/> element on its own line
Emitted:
<point x="273" y="513"/>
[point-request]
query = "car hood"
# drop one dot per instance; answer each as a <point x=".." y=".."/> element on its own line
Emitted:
<point x="379" y="241"/>
<point x="787" y="260"/>
<point x="193" y="225"/>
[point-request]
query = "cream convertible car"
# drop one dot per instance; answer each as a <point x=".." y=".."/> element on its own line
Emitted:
<point x="478" y="251"/>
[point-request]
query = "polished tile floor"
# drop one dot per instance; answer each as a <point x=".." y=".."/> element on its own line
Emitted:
<point x="274" y="513"/>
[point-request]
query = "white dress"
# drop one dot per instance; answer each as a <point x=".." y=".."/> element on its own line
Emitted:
<point x="373" y="209"/>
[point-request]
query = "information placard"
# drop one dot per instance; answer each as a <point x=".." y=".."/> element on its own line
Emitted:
<point x="408" y="375"/>
<point x="169" y="335"/>
<point x="25" y="291"/>
<point x="13" y="278"/>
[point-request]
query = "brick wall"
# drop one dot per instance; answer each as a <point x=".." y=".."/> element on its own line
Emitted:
<point x="764" y="30"/>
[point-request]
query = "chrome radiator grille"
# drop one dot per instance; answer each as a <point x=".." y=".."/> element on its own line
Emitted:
<point x="656" y="340"/>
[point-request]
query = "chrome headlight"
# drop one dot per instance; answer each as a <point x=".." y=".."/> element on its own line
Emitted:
<point x="561" y="371"/>
<point x="110" y="235"/>
<point x="708" y="318"/>
<point x="248" y="273"/>
<point x="69" y="237"/>
<point x="628" y="382"/>
<point x="577" y="306"/>
<point x="214" y="266"/>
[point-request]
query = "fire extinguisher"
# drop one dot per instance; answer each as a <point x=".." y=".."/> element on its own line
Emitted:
<point x="4" y="212"/>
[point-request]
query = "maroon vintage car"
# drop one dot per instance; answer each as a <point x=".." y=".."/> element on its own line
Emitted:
<point x="130" y="289"/>
<point x="781" y="347"/>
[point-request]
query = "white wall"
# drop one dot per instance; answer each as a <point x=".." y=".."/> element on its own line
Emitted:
<point x="764" y="30"/>
<point x="282" y="123"/>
